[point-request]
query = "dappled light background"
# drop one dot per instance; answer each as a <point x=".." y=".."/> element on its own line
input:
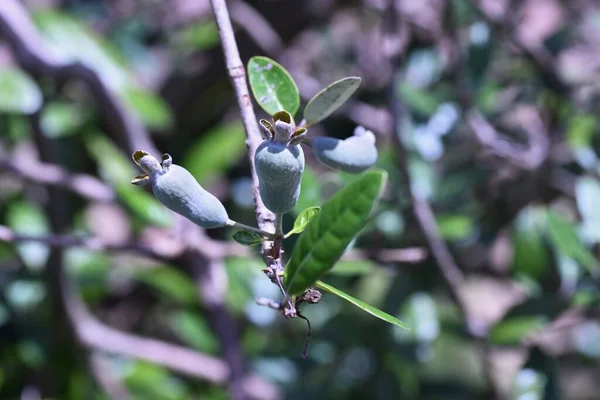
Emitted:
<point x="485" y="242"/>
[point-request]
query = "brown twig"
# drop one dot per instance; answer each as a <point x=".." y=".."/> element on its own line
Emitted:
<point x="85" y="186"/>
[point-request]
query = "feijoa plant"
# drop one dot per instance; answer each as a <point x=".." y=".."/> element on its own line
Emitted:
<point x="325" y="231"/>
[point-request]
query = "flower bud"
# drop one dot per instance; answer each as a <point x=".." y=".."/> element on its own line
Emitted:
<point x="354" y="154"/>
<point x="179" y="191"/>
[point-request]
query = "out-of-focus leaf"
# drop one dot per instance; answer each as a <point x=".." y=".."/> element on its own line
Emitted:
<point x="241" y="272"/>
<point x="25" y="294"/>
<point x="362" y="305"/>
<point x="150" y="381"/>
<point x="330" y="99"/>
<point x="529" y="384"/>
<point x="215" y="152"/>
<point x="248" y="238"/>
<point x="76" y="42"/>
<point x="171" y="282"/>
<point x="152" y="110"/>
<point x="28" y="219"/>
<point x="350" y="268"/>
<point x="512" y="330"/>
<point x="420" y="313"/>
<point x="565" y="239"/>
<point x="455" y="226"/>
<point x="194" y="331"/>
<point x="417" y="99"/>
<point x="273" y="87"/>
<point x="328" y="235"/>
<point x="531" y="257"/>
<point x="587" y="193"/>
<point x="310" y="195"/>
<point x="202" y="35"/>
<point x="303" y="219"/>
<point x="61" y="119"/>
<point x="118" y="170"/>
<point x="18" y="92"/>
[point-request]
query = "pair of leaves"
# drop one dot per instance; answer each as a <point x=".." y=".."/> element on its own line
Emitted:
<point x="328" y="234"/>
<point x="274" y="90"/>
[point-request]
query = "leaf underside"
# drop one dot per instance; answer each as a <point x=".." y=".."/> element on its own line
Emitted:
<point x="330" y="99"/>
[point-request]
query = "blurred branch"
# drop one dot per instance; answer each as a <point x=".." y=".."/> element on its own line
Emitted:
<point x="237" y="75"/>
<point x="86" y="186"/>
<point x="538" y="55"/>
<point x="90" y="243"/>
<point x="528" y="157"/>
<point x="37" y="59"/>
<point x="256" y="26"/>
<point x="409" y="255"/>
<point x="95" y="335"/>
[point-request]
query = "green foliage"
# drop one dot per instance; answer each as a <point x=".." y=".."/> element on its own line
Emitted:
<point x="273" y="87"/>
<point x="328" y="235"/>
<point x="172" y="283"/>
<point x="303" y="219"/>
<point x="18" y="92"/>
<point x="215" y="151"/>
<point x="150" y="108"/>
<point x="330" y="99"/>
<point x="362" y="305"/>
<point x="27" y="218"/>
<point x="565" y="239"/>
<point x="512" y="330"/>
<point x="247" y="238"/>
<point x="62" y="118"/>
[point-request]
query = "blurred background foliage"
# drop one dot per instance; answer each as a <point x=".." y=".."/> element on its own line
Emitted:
<point x="500" y="125"/>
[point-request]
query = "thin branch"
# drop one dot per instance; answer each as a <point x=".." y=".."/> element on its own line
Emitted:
<point x="85" y="186"/>
<point x="95" y="335"/>
<point x="36" y="58"/>
<point x="237" y="75"/>
<point x="89" y="242"/>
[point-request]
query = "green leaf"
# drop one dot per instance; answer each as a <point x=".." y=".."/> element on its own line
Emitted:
<point x="72" y="40"/>
<point x="29" y="219"/>
<point x="171" y="282"/>
<point x="151" y="109"/>
<point x="330" y="99"/>
<point x="362" y="305"/>
<point x="215" y="151"/>
<point x="303" y="220"/>
<point x="194" y="331"/>
<point x="565" y="239"/>
<point x="247" y="238"/>
<point x="455" y="226"/>
<point x="18" y="92"/>
<point x="513" y="330"/>
<point x="272" y="86"/>
<point x="417" y="99"/>
<point x="352" y="268"/>
<point x="328" y="235"/>
<point x="311" y="191"/>
<point x="61" y="118"/>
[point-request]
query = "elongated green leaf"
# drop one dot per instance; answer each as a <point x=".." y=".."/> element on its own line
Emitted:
<point x="327" y="236"/>
<point x="215" y="151"/>
<point x="247" y="238"/>
<point x="513" y="330"/>
<point x="564" y="238"/>
<point x="362" y="305"/>
<point x="303" y="219"/>
<point x="330" y="99"/>
<point x="18" y="92"/>
<point x="273" y="87"/>
<point x="151" y="109"/>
